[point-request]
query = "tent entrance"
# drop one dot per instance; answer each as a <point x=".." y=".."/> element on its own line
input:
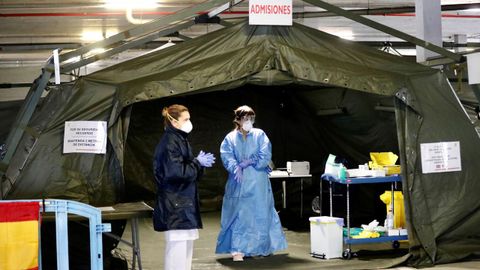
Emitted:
<point x="302" y="122"/>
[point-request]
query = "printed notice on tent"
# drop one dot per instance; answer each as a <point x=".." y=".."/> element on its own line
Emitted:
<point x="270" y="12"/>
<point x="85" y="137"/>
<point x="441" y="157"/>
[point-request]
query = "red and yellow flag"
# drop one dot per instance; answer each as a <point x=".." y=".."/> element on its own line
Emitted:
<point x="19" y="235"/>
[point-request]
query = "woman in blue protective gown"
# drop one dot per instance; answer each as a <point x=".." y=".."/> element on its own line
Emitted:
<point x="250" y="226"/>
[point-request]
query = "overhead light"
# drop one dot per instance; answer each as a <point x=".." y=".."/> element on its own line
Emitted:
<point x="98" y="35"/>
<point x="130" y="4"/>
<point x="92" y="36"/>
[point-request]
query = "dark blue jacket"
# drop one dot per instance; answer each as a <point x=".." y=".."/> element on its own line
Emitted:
<point x="176" y="174"/>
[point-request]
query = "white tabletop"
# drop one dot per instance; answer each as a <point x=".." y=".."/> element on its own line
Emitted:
<point x="284" y="174"/>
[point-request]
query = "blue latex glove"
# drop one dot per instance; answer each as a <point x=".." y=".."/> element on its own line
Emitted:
<point x="254" y="158"/>
<point x="268" y="170"/>
<point x="246" y="163"/>
<point x="210" y="159"/>
<point x="206" y="160"/>
<point x="238" y="174"/>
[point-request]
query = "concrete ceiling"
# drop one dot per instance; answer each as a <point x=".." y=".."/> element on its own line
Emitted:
<point x="30" y="29"/>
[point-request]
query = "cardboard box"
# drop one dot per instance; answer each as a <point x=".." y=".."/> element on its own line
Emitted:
<point x="393" y="232"/>
<point x="326" y="237"/>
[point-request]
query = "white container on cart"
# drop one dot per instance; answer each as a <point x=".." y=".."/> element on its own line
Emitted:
<point x="326" y="236"/>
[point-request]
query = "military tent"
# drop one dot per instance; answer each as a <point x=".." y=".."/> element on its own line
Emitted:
<point x="314" y="94"/>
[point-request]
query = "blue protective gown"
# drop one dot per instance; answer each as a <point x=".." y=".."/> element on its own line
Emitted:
<point x="249" y="222"/>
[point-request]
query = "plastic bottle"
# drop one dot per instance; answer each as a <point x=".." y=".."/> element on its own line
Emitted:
<point x="389" y="220"/>
<point x="342" y="172"/>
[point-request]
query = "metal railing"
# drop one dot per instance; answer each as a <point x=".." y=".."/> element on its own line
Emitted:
<point x="62" y="208"/>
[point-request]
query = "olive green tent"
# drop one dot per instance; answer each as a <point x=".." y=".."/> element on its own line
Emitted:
<point x="314" y="94"/>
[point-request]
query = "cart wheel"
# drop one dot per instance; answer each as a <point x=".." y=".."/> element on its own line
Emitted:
<point x="347" y="254"/>
<point x="395" y="244"/>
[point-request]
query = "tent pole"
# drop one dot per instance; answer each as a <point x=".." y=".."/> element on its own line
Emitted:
<point x="386" y="29"/>
<point x="23" y="118"/>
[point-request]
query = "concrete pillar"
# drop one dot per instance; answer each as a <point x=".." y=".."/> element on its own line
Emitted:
<point x="460" y="42"/>
<point x="428" y="14"/>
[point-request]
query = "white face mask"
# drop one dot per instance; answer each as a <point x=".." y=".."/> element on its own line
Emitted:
<point x="247" y="125"/>
<point x="187" y="127"/>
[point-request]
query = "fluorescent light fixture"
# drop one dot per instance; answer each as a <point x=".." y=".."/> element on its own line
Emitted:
<point x="130" y="4"/>
<point x="92" y="36"/>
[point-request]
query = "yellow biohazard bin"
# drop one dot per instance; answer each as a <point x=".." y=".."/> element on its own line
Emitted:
<point x="399" y="210"/>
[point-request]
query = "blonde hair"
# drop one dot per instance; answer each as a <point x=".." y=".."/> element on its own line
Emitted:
<point x="171" y="113"/>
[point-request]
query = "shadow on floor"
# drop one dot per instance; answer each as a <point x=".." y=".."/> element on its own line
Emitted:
<point x="278" y="261"/>
<point x="296" y="256"/>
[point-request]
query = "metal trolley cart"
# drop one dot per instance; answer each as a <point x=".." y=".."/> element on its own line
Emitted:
<point x="348" y="241"/>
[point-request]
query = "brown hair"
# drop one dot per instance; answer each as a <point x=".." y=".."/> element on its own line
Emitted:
<point x="241" y="112"/>
<point x="171" y="113"/>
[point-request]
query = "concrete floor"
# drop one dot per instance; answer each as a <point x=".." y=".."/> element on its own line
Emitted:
<point x="376" y="256"/>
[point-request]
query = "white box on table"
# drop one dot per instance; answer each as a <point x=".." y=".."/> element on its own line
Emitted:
<point x="393" y="232"/>
<point x="326" y="237"/>
<point x="298" y="167"/>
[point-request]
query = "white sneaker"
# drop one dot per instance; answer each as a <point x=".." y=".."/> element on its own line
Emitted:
<point x="238" y="258"/>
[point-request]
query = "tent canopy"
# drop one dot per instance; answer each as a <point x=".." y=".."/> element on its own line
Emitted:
<point x="287" y="73"/>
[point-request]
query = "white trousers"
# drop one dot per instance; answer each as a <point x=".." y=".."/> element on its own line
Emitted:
<point x="178" y="255"/>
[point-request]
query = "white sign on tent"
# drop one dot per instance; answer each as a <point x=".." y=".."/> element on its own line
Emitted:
<point x="270" y="12"/>
<point x="85" y="137"/>
<point x="441" y="157"/>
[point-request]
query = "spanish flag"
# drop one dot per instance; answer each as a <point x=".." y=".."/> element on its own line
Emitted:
<point x="19" y="235"/>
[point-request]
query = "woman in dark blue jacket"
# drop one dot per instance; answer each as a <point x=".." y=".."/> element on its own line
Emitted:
<point x="177" y="209"/>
